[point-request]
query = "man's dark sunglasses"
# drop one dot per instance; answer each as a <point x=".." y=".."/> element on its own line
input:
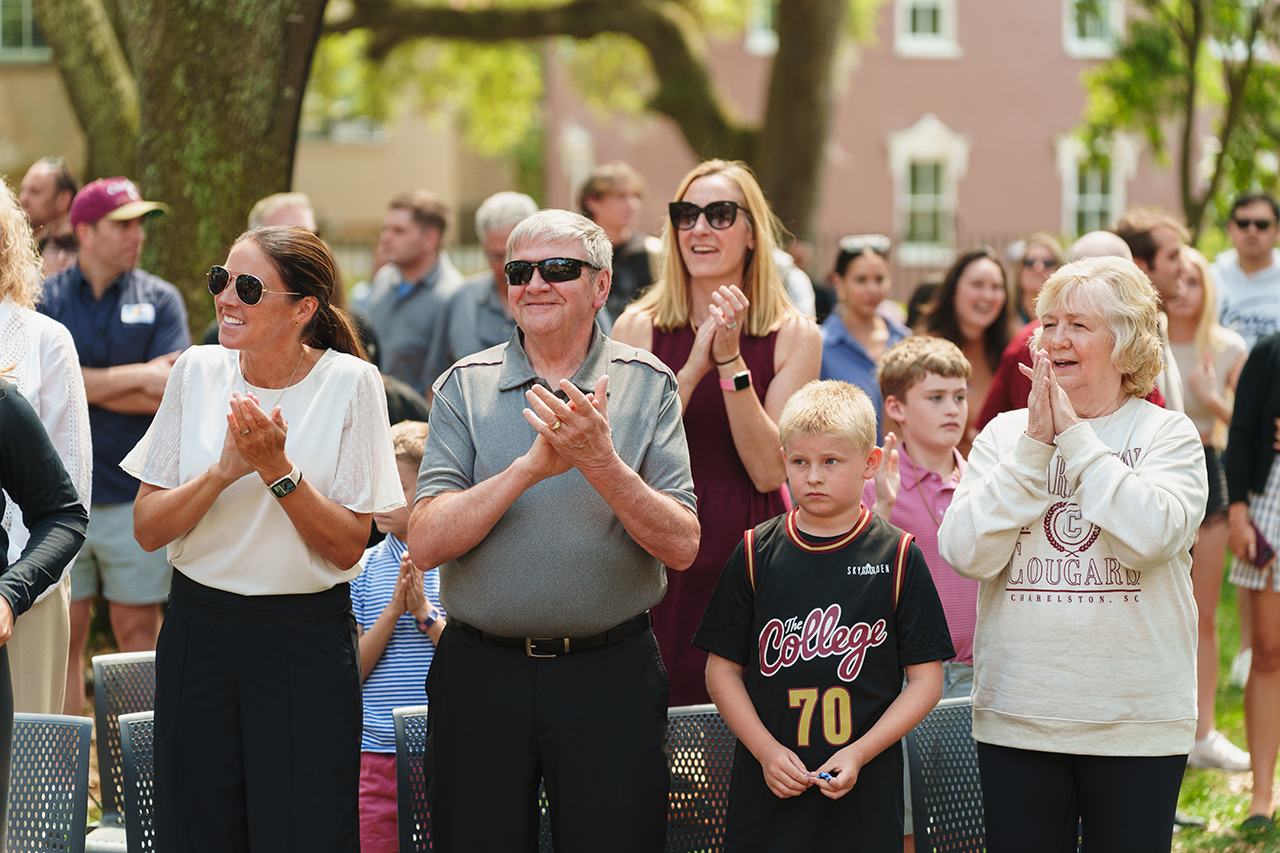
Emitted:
<point x="553" y="270"/>
<point x="720" y="214"/>
<point x="248" y="287"/>
<point x="1260" y="224"/>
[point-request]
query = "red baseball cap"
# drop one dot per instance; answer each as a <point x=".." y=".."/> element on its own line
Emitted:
<point x="111" y="198"/>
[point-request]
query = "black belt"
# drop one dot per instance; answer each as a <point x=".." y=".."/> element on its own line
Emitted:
<point x="549" y="647"/>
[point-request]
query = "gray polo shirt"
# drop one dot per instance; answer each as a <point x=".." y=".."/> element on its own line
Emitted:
<point x="558" y="563"/>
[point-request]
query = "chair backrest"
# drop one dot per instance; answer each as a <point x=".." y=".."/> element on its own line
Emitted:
<point x="701" y="748"/>
<point x="48" y="783"/>
<point x="122" y="684"/>
<point x="414" y="819"/>
<point x="946" y="791"/>
<point x="411" y="779"/>
<point x="137" y="746"/>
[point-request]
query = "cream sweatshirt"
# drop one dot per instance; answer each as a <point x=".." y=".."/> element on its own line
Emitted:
<point x="1086" y="634"/>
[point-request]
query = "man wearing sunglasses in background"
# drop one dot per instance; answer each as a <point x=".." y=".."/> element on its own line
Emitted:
<point x="1248" y="276"/>
<point x="129" y="327"/>
<point x="554" y="485"/>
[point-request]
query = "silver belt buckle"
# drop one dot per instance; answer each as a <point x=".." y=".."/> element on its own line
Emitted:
<point x="529" y="641"/>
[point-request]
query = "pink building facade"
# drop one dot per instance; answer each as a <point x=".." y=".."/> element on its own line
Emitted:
<point x="955" y="127"/>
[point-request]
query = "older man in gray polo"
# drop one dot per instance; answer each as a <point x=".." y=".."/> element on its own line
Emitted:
<point x="554" y="487"/>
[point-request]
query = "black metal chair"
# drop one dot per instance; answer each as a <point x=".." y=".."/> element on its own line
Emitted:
<point x="411" y="785"/>
<point x="122" y="684"/>
<point x="137" y="747"/>
<point x="48" y="783"/>
<point x="701" y="747"/>
<point x="946" y="792"/>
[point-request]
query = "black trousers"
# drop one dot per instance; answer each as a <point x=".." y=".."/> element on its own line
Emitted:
<point x="592" y="725"/>
<point x="258" y="720"/>
<point x="1042" y="801"/>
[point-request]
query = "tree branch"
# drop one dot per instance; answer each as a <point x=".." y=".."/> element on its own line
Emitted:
<point x="99" y="83"/>
<point x="687" y="93"/>
<point x="1237" y="81"/>
<point x="1191" y="44"/>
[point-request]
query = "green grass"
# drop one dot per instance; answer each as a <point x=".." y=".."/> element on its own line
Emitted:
<point x="1219" y="797"/>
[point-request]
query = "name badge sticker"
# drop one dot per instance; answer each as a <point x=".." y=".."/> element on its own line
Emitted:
<point x="137" y="313"/>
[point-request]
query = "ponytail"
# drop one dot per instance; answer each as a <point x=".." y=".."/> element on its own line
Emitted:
<point x="331" y="328"/>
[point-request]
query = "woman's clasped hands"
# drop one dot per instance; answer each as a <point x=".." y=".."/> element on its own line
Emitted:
<point x="254" y="440"/>
<point x="1049" y="409"/>
<point x="717" y="338"/>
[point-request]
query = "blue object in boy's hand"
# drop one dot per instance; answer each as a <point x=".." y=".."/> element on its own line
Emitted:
<point x="826" y="776"/>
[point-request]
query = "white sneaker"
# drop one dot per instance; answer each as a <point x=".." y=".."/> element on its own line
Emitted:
<point x="1214" y="750"/>
<point x="1240" y="667"/>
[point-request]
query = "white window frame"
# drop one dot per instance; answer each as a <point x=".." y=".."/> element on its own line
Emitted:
<point x="1094" y="47"/>
<point x="943" y="45"/>
<point x="1071" y="155"/>
<point x="761" y="38"/>
<point x="927" y="141"/>
<point x="28" y="52"/>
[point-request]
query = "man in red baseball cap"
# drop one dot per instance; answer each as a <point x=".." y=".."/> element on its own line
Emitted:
<point x="129" y="327"/>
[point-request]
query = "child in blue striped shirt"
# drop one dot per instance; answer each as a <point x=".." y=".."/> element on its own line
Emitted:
<point x="399" y="621"/>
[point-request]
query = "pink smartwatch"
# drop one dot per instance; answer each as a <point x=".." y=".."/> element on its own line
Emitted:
<point x="738" y="382"/>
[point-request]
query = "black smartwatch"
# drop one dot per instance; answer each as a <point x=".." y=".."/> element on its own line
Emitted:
<point x="286" y="484"/>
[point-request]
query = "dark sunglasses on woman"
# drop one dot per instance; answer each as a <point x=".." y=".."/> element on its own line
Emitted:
<point x="720" y="214"/>
<point x="248" y="287"/>
<point x="553" y="270"/>
<point x="1040" y="263"/>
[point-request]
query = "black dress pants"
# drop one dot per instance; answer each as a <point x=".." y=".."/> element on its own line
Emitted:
<point x="258" y="721"/>
<point x="592" y="725"/>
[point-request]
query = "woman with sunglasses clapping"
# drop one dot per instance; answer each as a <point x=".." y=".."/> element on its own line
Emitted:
<point x="857" y="333"/>
<point x="260" y="472"/>
<point x="721" y="319"/>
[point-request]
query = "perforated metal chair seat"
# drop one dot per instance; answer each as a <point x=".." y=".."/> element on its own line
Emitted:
<point x="122" y="684"/>
<point x="48" y="783"/>
<point x="946" y="791"/>
<point x="137" y="746"/>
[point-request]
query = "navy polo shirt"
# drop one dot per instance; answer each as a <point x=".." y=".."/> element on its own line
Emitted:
<point x="138" y="318"/>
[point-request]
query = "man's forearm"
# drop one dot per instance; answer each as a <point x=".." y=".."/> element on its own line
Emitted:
<point x="103" y="384"/>
<point x="658" y="523"/>
<point x="444" y="527"/>
<point x="132" y="403"/>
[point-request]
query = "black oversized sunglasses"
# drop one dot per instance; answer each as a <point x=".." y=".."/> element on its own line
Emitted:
<point x="553" y="270"/>
<point x="720" y="214"/>
<point x="248" y="287"/>
<point x="1260" y="224"/>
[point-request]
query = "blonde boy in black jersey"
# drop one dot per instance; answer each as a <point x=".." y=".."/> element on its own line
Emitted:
<point x="812" y="623"/>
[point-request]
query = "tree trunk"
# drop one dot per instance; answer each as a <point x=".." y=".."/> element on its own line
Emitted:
<point x="98" y="82"/>
<point x="792" y="149"/>
<point x="220" y="84"/>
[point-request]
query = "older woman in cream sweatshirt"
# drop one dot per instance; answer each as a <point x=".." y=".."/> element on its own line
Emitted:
<point x="1077" y="514"/>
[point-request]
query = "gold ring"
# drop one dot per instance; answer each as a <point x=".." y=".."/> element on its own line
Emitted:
<point x="556" y="425"/>
<point x="244" y="432"/>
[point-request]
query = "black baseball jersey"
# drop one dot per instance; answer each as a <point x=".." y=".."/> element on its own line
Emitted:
<point x="823" y="629"/>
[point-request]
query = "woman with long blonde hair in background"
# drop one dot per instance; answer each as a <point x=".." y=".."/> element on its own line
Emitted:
<point x="721" y="319"/>
<point x="1210" y="359"/>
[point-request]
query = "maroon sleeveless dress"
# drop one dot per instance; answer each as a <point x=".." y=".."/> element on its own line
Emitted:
<point x="728" y="504"/>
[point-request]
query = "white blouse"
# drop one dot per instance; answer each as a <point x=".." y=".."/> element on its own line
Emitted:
<point x="46" y="369"/>
<point x="339" y="437"/>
